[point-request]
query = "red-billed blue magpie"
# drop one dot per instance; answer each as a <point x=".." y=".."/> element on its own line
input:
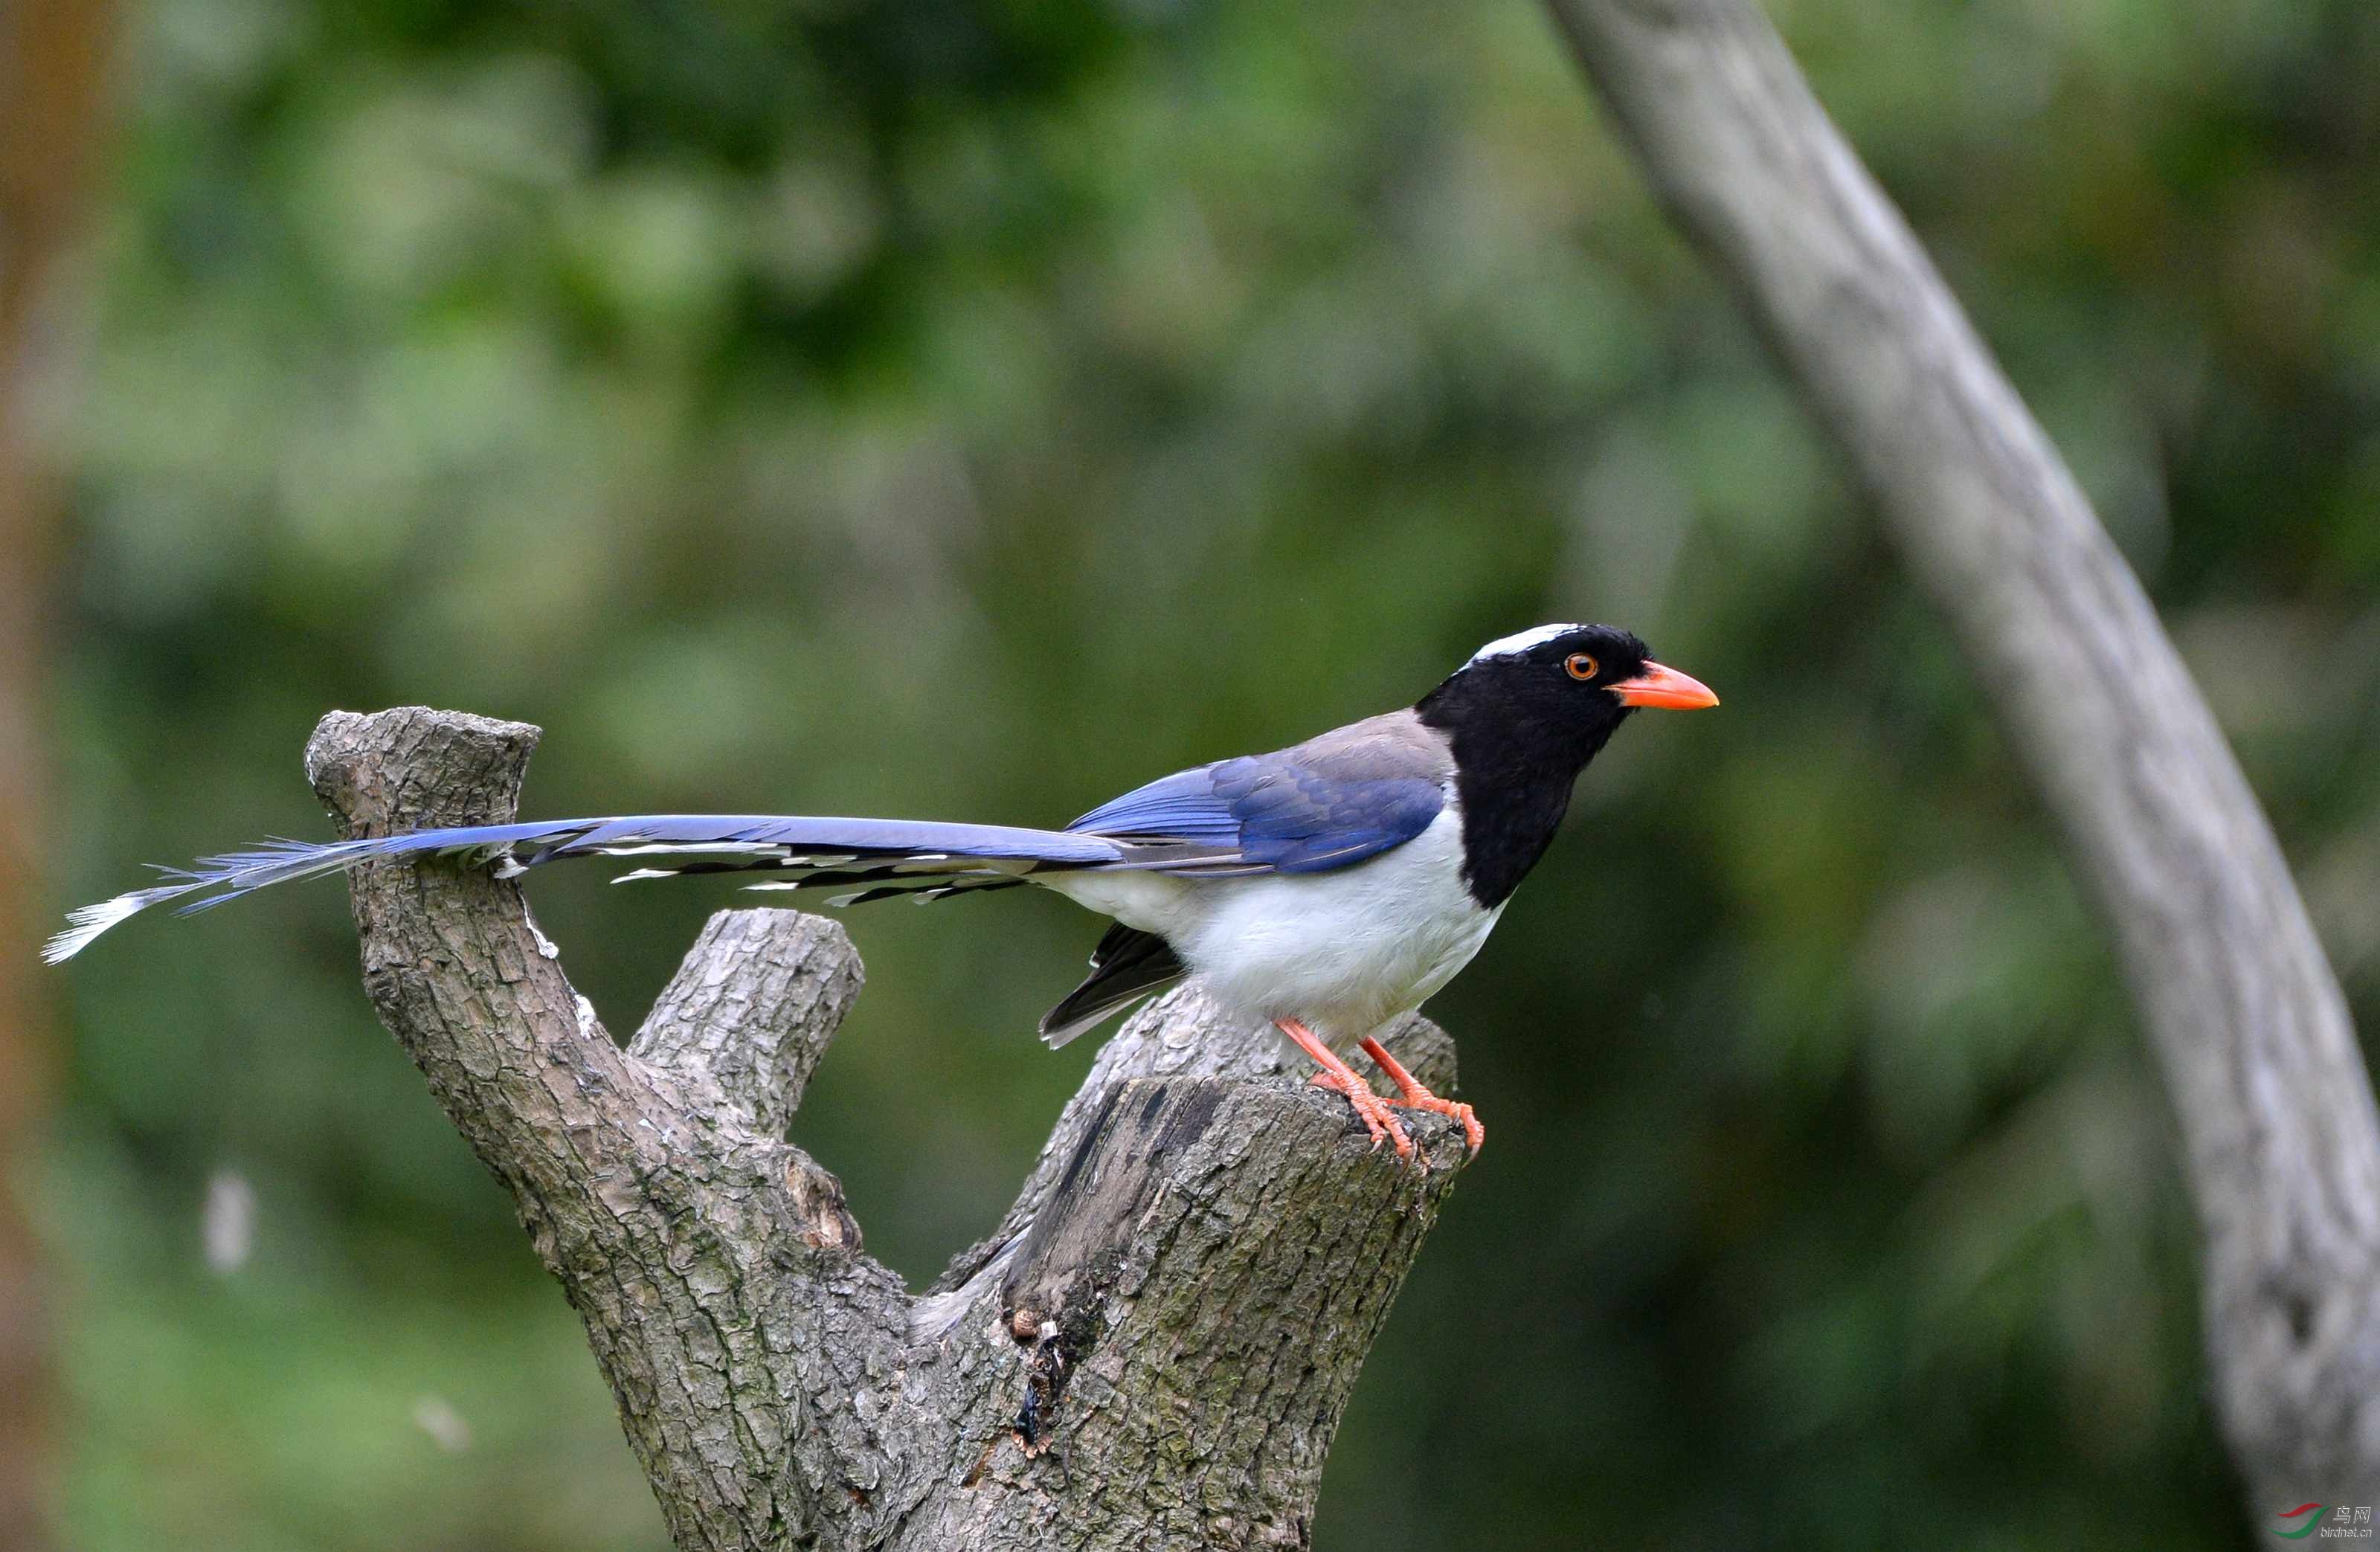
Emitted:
<point x="1327" y="887"/>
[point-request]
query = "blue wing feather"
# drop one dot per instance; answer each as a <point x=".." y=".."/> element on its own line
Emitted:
<point x="1183" y="805"/>
<point x="1283" y="814"/>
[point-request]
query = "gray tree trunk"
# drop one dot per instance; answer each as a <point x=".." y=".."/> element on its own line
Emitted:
<point x="2244" y="1015"/>
<point x="1153" y="1349"/>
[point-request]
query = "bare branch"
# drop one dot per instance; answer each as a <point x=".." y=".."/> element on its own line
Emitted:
<point x="451" y="958"/>
<point x="2246" y="1018"/>
<point x="700" y="1254"/>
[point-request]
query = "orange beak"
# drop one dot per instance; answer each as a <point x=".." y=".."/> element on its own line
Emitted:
<point x="1665" y="688"/>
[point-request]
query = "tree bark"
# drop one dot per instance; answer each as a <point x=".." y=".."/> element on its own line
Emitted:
<point x="1153" y="1349"/>
<point x="53" y="67"/>
<point x="2245" y="1016"/>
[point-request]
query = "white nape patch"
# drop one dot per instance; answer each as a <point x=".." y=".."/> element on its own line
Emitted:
<point x="89" y="921"/>
<point x="1520" y="641"/>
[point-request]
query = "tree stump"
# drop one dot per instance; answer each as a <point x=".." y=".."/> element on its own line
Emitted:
<point x="1153" y="1348"/>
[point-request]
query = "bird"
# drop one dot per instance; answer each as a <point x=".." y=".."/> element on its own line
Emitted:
<point x="1328" y="887"/>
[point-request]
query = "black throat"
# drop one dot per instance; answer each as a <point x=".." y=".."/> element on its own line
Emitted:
<point x="1513" y="770"/>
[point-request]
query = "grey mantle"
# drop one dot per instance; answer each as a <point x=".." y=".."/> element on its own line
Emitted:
<point x="1153" y="1348"/>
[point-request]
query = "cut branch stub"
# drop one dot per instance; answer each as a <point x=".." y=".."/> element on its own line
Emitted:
<point x="1192" y="1304"/>
<point x="1158" y="1144"/>
<point x="1156" y="1346"/>
<point x="752" y="1008"/>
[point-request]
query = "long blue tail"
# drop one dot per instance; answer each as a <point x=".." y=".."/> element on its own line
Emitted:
<point x="888" y="856"/>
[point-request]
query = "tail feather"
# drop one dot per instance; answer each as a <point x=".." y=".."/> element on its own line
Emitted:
<point x="278" y="862"/>
<point x="900" y="856"/>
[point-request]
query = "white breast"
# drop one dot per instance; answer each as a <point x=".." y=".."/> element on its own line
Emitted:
<point x="1344" y="951"/>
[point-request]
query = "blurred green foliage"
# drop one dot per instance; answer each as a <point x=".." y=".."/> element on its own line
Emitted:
<point x="968" y="408"/>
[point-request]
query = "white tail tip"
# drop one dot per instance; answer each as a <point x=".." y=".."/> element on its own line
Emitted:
<point x="88" y="923"/>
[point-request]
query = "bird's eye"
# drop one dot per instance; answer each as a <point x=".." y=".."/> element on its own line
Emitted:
<point x="1581" y="666"/>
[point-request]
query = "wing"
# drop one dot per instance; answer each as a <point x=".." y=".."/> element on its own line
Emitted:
<point x="1327" y="803"/>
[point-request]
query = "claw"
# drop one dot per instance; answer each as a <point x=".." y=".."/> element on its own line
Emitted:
<point x="1334" y="1074"/>
<point x="1377" y="1118"/>
<point x="1411" y="1096"/>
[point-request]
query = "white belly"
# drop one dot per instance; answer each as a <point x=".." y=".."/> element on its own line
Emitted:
<point x="1343" y="951"/>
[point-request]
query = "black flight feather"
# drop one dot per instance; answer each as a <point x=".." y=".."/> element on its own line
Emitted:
<point x="1128" y="965"/>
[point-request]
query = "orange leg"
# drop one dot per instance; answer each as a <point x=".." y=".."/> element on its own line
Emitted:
<point x="1412" y="1096"/>
<point x="1337" y="1076"/>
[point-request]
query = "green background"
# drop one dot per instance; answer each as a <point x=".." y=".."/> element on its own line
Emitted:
<point x="969" y="408"/>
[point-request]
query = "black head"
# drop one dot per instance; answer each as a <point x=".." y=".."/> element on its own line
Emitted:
<point x="1556" y="693"/>
<point x="1524" y="716"/>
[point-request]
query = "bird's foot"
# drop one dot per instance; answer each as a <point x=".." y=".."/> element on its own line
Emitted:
<point x="1411" y="1096"/>
<point x="1375" y="1112"/>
